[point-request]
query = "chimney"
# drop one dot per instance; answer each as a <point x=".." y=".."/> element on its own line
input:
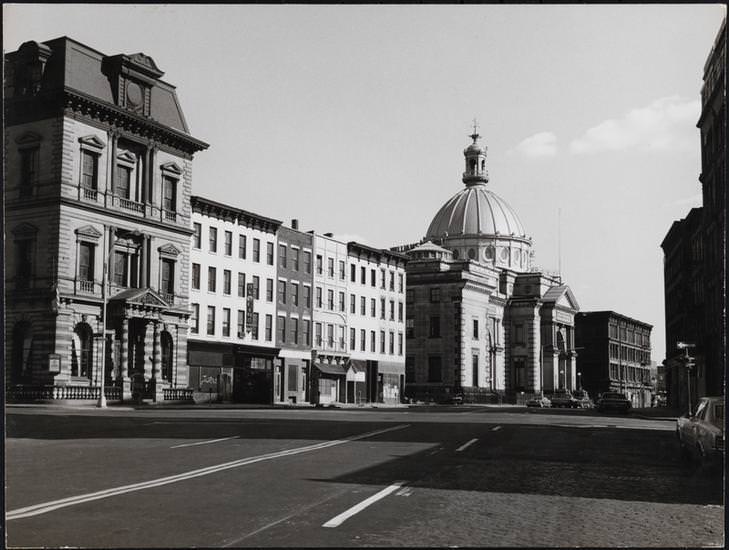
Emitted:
<point x="295" y="224"/>
<point x="328" y="234"/>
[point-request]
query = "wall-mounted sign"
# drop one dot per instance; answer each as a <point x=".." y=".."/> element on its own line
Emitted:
<point x="249" y="307"/>
<point x="54" y="363"/>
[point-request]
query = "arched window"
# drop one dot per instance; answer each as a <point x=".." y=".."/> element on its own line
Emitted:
<point x="82" y="351"/>
<point x="22" y="352"/>
<point x="167" y="355"/>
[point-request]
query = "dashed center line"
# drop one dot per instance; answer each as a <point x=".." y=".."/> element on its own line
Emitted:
<point x="336" y="521"/>
<point x="204" y="442"/>
<point x="466" y="445"/>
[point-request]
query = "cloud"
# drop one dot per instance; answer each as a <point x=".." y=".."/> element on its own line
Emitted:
<point x="542" y="144"/>
<point x="667" y="124"/>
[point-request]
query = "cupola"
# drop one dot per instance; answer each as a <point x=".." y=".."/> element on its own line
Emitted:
<point x="476" y="173"/>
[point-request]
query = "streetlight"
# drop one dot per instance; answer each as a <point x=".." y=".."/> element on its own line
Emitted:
<point x="561" y="384"/>
<point x="685" y="346"/>
<point x="579" y="380"/>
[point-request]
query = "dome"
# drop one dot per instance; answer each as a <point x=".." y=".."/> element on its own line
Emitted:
<point x="475" y="211"/>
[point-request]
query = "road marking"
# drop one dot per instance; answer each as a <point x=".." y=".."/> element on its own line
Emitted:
<point x="204" y="442"/>
<point x="466" y="445"/>
<point x="336" y="521"/>
<point x="495" y="428"/>
<point x="46" y="507"/>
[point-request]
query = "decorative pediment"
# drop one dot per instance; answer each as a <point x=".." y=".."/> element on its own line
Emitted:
<point x="92" y="141"/>
<point x="126" y="156"/>
<point x="145" y="63"/>
<point x="171" y="167"/>
<point x="88" y="231"/>
<point x="152" y="299"/>
<point x="140" y="296"/>
<point x="169" y="250"/>
<point x="24" y="230"/>
<point x="28" y="138"/>
<point x="567" y="299"/>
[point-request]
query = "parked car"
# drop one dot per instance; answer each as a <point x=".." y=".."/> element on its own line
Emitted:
<point x="541" y="402"/>
<point x="583" y="399"/>
<point x="614" y="401"/>
<point x="701" y="436"/>
<point x="563" y="399"/>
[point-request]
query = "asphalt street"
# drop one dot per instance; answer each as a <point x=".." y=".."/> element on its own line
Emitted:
<point x="425" y="476"/>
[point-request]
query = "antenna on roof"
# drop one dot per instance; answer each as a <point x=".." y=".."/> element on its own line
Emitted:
<point x="559" y="244"/>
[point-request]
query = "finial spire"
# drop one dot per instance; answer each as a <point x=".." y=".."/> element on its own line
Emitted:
<point x="475" y="135"/>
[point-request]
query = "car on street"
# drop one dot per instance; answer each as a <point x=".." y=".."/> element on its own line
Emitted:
<point x="539" y="401"/>
<point x="583" y="399"/>
<point x="614" y="401"/>
<point x="701" y="436"/>
<point x="563" y="399"/>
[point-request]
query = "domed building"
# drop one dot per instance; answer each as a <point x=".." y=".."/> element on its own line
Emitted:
<point x="481" y="321"/>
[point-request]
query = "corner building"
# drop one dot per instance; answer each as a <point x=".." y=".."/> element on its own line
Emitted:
<point x="98" y="178"/>
<point x="481" y="322"/>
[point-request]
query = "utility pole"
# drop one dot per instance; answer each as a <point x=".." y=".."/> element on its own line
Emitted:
<point x="689" y="362"/>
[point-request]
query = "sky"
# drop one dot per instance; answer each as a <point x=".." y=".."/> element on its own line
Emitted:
<point x="353" y="119"/>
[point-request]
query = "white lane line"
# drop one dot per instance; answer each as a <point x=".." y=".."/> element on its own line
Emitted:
<point x="46" y="507"/>
<point x="336" y="521"/>
<point x="466" y="445"/>
<point x="204" y="442"/>
<point x="495" y="428"/>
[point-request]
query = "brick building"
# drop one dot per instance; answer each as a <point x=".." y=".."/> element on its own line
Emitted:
<point x="98" y="179"/>
<point x="614" y="355"/>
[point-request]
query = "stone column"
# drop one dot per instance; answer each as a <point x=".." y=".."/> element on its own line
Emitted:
<point x="157" y="362"/>
<point x="143" y="263"/>
<point x="124" y="360"/>
<point x="114" y="137"/>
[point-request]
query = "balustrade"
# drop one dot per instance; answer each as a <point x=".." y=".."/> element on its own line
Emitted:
<point x="177" y="394"/>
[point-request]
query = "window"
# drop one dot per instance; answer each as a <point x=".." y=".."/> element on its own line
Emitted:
<point x="341" y="301"/>
<point x="256" y="287"/>
<point x="317" y="334"/>
<point x="519" y="334"/>
<point x="28" y="170"/>
<point x="85" y="260"/>
<point x="383" y="279"/>
<point x="352" y="338"/>
<point x="294" y="331"/>
<point x="318" y="296"/>
<point x="169" y="194"/>
<point x="392" y="343"/>
<point x="282" y="256"/>
<point x="241" y="323"/>
<point x="241" y="285"/>
<point x="268" y="334"/>
<point x="211" y="279"/>
<point x="382" y="308"/>
<point x="410" y="328"/>
<point x="281" y="328"/>
<point x="475" y="329"/>
<point x="435" y="327"/>
<point x="400" y="283"/>
<point x="123" y="181"/>
<point x="363" y="306"/>
<point x="399" y="343"/>
<point x="382" y="341"/>
<point x="435" y="295"/>
<point x="519" y="379"/>
<point x="89" y="170"/>
<point x="409" y="295"/>
<point x="330" y="335"/>
<point x="211" y="320"/>
<point x="195" y="318"/>
<point x="242" y="247"/>
<point x="269" y="290"/>
<point x="269" y="253"/>
<point x="474" y="370"/>
<point x="330" y="299"/>
<point x="342" y="270"/>
<point x="226" y="281"/>
<point x="226" y="321"/>
<point x="228" y="243"/>
<point x="295" y="259"/>
<point x="307" y="296"/>
<point x="372" y="341"/>
<point x="400" y="309"/>
<point x="307" y="261"/>
<point x="256" y="250"/>
<point x="352" y="304"/>
<point x="82" y="351"/>
<point x="168" y="277"/>
<point x="213" y="239"/>
<point x="392" y="310"/>
<point x="330" y="267"/>
<point x="373" y="277"/>
<point x="254" y="327"/>
<point x="196" y="235"/>
<point x="392" y="281"/>
<point x="295" y="294"/>
<point x="196" y="276"/>
<point x="363" y="275"/>
<point x="282" y="292"/>
<point x="410" y="369"/>
<point x="306" y="332"/>
<point x="373" y="307"/>
<point x="435" y="373"/>
<point x="353" y="273"/>
<point x="362" y="339"/>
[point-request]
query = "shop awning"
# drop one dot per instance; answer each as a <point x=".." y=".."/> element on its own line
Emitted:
<point x="385" y="367"/>
<point x="331" y="368"/>
<point x="357" y="365"/>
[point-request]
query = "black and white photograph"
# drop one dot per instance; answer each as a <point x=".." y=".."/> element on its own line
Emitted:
<point x="366" y="275"/>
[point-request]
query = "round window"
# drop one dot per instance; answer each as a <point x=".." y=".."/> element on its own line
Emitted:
<point x="504" y="254"/>
<point x="489" y="253"/>
<point x="517" y="255"/>
<point x="472" y="253"/>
